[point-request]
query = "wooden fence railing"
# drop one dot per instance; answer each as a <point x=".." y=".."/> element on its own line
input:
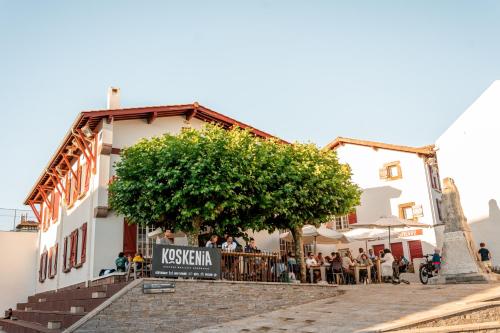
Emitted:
<point x="261" y="266"/>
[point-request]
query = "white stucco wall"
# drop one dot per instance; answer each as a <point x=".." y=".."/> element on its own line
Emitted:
<point x="383" y="197"/>
<point x="468" y="153"/>
<point x="128" y="132"/>
<point x="17" y="280"/>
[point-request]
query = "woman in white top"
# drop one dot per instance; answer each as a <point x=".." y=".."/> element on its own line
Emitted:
<point x="386" y="263"/>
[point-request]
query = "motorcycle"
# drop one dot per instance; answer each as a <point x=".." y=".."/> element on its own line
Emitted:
<point x="427" y="269"/>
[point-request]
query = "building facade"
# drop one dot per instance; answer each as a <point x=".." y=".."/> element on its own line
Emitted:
<point x="79" y="235"/>
<point x="467" y="152"/>
<point x="396" y="181"/>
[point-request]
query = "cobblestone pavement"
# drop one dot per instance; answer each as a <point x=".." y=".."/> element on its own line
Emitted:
<point x="362" y="309"/>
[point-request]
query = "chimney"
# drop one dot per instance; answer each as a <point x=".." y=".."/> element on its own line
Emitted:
<point x="113" y="98"/>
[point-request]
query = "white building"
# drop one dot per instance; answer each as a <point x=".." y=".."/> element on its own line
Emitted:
<point x="79" y="235"/>
<point x="396" y="180"/>
<point x="468" y="153"/>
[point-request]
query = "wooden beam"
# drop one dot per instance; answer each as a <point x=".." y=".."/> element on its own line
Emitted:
<point x="45" y="197"/>
<point x="56" y="182"/>
<point x="35" y="211"/>
<point x="85" y="150"/>
<point x="109" y="119"/>
<point x="69" y="166"/>
<point x="152" y="117"/>
<point x="191" y="113"/>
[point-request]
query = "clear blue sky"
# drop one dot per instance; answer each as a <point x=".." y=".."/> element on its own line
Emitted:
<point x="392" y="71"/>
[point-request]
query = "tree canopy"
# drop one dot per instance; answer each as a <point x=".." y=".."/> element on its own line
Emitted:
<point x="230" y="180"/>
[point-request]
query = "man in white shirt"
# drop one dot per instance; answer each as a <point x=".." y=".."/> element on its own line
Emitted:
<point x="311" y="261"/>
<point x="229" y="245"/>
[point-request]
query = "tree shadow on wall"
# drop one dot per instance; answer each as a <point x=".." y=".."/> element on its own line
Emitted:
<point x="376" y="202"/>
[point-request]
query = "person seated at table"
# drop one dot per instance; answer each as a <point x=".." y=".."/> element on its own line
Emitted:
<point x="386" y="264"/>
<point x="347" y="266"/>
<point x="310" y="264"/>
<point x="320" y="259"/>
<point x="121" y="262"/>
<point x="371" y="255"/>
<point x="361" y="252"/>
<point x="365" y="261"/>
<point x="138" y="260"/>
<point x="212" y="242"/>
<point x="229" y="244"/>
<point x="403" y="264"/>
<point x="251" y="247"/>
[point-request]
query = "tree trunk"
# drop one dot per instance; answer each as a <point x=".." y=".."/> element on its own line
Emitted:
<point x="192" y="237"/>
<point x="299" y="255"/>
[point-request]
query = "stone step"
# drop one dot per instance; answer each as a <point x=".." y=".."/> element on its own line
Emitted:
<point x="44" y="317"/>
<point x="20" y="326"/>
<point x="62" y="305"/>
<point x="476" y="327"/>
<point x="82" y="293"/>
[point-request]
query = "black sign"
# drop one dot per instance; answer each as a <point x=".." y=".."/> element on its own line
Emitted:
<point x="158" y="288"/>
<point x="185" y="261"/>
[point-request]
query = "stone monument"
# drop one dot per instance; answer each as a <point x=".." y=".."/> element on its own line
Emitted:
<point x="460" y="263"/>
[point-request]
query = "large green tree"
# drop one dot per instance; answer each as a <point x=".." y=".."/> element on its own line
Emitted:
<point x="230" y="180"/>
<point x="189" y="181"/>
<point x="308" y="186"/>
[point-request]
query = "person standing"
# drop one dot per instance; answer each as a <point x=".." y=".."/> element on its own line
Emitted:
<point x="485" y="256"/>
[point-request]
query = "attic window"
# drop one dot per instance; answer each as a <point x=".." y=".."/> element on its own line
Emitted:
<point x="391" y="171"/>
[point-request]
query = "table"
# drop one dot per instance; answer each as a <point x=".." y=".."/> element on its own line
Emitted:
<point x="321" y="269"/>
<point x="357" y="268"/>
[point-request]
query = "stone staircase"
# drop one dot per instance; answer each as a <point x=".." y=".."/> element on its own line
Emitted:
<point x="55" y="311"/>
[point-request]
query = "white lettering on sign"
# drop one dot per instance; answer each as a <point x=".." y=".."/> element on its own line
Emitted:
<point x="186" y="257"/>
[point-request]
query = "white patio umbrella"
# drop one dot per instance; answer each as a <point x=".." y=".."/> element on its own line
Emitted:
<point x="366" y="235"/>
<point x="321" y="235"/>
<point x="388" y="223"/>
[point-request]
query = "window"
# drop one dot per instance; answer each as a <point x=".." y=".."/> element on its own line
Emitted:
<point x="52" y="264"/>
<point x="391" y="171"/>
<point x="439" y="209"/>
<point x="406" y="211"/>
<point x="42" y="272"/>
<point x="144" y="243"/>
<point x="434" y="177"/>
<point x="341" y="222"/>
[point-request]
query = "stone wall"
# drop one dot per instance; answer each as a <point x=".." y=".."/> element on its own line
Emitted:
<point x="480" y="315"/>
<point x="196" y="304"/>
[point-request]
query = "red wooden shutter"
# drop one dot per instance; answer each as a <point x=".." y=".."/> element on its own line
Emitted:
<point x="40" y="271"/>
<point x="397" y="250"/>
<point x="415" y="249"/>
<point x="68" y="188"/>
<point x="431" y="175"/>
<point x="84" y="243"/>
<point x="65" y="254"/>
<point x="87" y="177"/>
<point x="49" y="264"/>
<point x="353" y="218"/>
<point x="74" y="248"/>
<point x="378" y="248"/>
<point x="55" y="206"/>
<point x="129" y="238"/>
<point x="56" y="256"/>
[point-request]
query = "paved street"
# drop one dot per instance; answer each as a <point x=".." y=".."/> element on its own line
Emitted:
<point x="362" y="309"/>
